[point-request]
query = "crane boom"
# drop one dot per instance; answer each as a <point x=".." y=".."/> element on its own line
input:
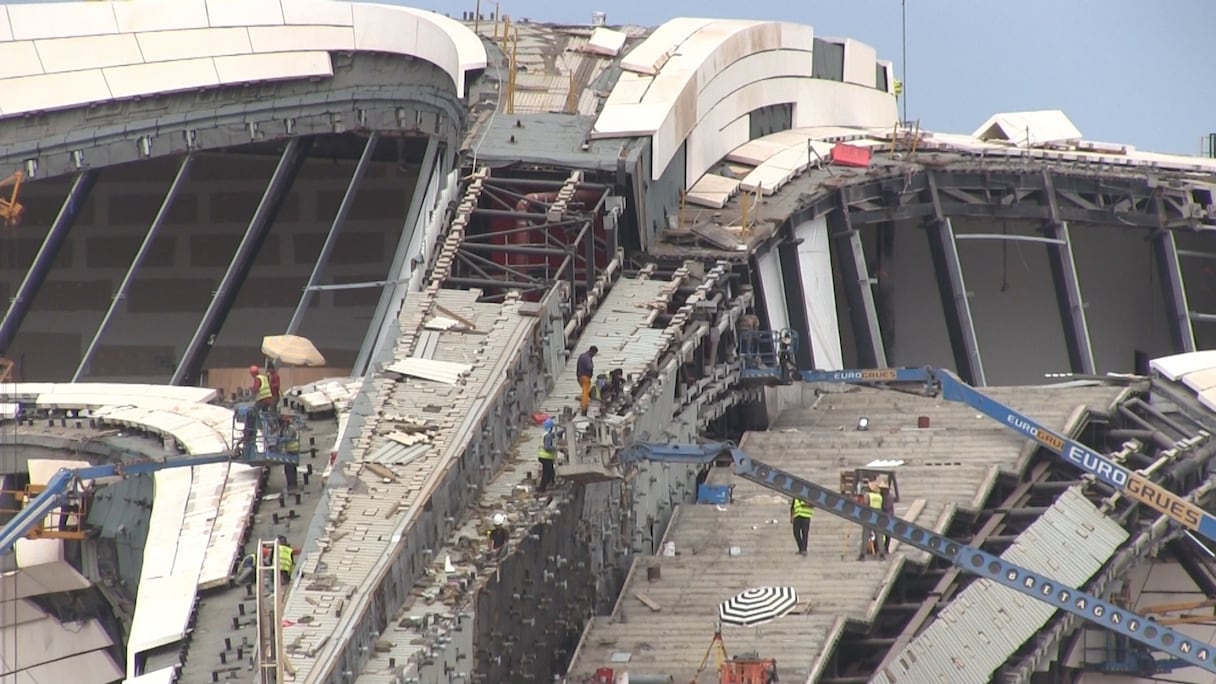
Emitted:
<point x="774" y="366"/>
<point x="1084" y="605"/>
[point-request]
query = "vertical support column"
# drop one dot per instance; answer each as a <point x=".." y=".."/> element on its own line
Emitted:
<point x="795" y="299"/>
<point x="1068" y="286"/>
<point x="849" y="254"/>
<point x="953" y="288"/>
<point x="165" y="206"/>
<point x="1173" y="288"/>
<point x="191" y="363"/>
<point x="335" y="229"/>
<point x="1068" y="297"/>
<point x="38" y="271"/>
<point x="394" y="290"/>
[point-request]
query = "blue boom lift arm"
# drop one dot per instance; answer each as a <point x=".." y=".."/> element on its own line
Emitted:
<point x="64" y="485"/>
<point x="969" y="559"/>
<point x="767" y="356"/>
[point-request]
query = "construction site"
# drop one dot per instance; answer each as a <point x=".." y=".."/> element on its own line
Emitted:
<point x="978" y="369"/>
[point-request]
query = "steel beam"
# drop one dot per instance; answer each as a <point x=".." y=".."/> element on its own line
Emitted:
<point x="335" y="229"/>
<point x="121" y="294"/>
<point x="849" y="254"/>
<point x="45" y="258"/>
<point x="393" y="293"/>
<point x="191" y="363"/>
<point x="952" y="286"/>
<point x="1173" y="288"/>
<point x="795" y="300"/>
<point x="1068" y="285"/>
<point x="1070" y="301"/>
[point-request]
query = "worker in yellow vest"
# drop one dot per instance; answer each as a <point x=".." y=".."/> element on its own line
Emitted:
<point x="800" y="518"/>
<point x="870" y="543"/>
<point x="263" y="394"/>
<point x="287" y="560"/>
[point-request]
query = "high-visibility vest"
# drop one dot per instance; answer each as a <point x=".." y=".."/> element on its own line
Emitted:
<point x="874" y="499"/>
<point x="802" y="510"/>
<point x="286" y="557"/>
<point x="263" y="387"/>
<point x="291" y="445"/>
<point x="543" y="453"/>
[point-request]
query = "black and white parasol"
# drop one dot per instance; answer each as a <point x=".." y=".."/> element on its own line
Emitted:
<point x="757" y="606"/>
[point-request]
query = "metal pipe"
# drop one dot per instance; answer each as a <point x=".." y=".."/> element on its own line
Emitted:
<point x="165" y="206"/>
<point x="190" y="366"/>
<point x="1137" y="402"/>
<point x="503" y="183"/>
<point x="998" y="236"/>
<point x="335" y="229"/>
<point x="1159" y="438"/>
<point x="36" y="275"/>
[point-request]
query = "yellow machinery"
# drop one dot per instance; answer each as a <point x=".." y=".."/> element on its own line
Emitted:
<point x="10" y="210"/>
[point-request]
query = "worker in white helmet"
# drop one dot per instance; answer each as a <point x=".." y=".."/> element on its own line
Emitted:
<point x="499" y="534"/>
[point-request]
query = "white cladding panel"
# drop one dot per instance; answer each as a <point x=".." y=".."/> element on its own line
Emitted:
<point x="819" y="291"/>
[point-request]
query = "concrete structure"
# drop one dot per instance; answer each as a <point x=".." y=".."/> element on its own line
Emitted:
<point x="454" y="210"/>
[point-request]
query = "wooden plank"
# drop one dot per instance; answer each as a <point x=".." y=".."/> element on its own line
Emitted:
<point x="647" y="601"/>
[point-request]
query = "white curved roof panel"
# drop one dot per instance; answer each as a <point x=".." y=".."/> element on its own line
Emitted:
<point x="68" y="54"/>
<point x="697" y="80"/>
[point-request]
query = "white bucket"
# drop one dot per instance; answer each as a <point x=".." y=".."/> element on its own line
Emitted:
<point x="669" y="549"/>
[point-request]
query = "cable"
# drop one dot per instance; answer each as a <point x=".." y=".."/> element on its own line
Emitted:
<point x="493" y="115"/>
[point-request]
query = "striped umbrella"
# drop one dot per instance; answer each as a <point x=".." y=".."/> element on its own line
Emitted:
<point x="757" y="606"/>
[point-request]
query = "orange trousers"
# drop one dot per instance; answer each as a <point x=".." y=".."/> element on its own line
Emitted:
<point x="584" y="381"/>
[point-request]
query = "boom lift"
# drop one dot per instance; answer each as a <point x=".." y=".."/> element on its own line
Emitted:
<point x="1086" y="606"/>
<point x="38" y="518"/>
<point x="767" y="358"/>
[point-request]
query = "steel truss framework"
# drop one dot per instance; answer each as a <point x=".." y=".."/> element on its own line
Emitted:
<point x="1052" y="197"/>
<point x="1012" y="506"/>
<point x="528" y="234"/>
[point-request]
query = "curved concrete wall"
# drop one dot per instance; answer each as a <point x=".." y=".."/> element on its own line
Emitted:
<point x="697" y="80"/>
<point x="61" y="55"/>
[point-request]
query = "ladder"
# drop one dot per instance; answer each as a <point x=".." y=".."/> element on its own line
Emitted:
<point x="271" y="663"/>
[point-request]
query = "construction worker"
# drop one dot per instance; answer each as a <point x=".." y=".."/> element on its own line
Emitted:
<point x="748" y="325"/>
<point x="263" y="395"/>
<point x="888" y="507"/>
<point x="614" y="386"/>
<point x="290" y="441"/>
<point x="547" y="455"/>
<point x="287" y="560"/>
<point x="499" y="536"/>
<point x="272" y="373"/>
<point x="800" y="518"/>
<point x="872" y="498"/>
<point x="586" y="371"/>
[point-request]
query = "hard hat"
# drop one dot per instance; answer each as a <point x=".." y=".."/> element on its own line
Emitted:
<point x="549" y="423"/>
<point x="253" y="370"/>
<point x="499" y="519"/>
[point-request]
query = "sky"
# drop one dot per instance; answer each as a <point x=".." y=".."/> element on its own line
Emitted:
<point x="1126" y="71"/>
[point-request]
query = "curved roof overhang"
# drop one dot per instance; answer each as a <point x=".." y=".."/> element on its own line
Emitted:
<point x="108" y="83"/>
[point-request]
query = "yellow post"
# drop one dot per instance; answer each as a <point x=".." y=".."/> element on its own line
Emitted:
<point x="511" y="66"/>
<point x="571" y="97"/>
<point x="506" y="30"/>
<point x="745" y="204"/>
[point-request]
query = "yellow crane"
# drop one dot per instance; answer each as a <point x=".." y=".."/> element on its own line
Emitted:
<point x="10" y="210"/>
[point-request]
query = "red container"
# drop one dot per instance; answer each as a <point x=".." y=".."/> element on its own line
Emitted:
<point x="851" y="155"/>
